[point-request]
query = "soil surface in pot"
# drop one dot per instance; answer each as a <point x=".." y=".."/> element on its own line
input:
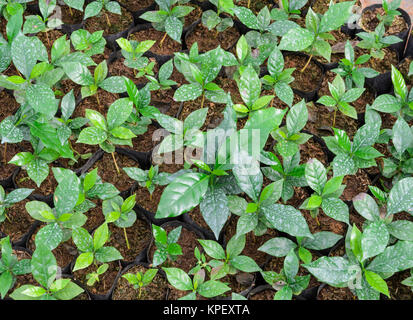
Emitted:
<point x="381" y="65"/>
<point x="308" y="80"/>
<point x="117" y="23"/>
<point x="156" y="290"/>
<point x="370" y="21"/>
<point x="168" y="47"/>
<point x="18" y="222"/>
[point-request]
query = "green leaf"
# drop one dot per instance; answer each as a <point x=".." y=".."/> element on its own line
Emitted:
<point x="82" y="239"/>
<point x="215" y="211"/>
<point x="377" y="282"/>
<point x="83" y="261"/>
<point x="49" y="236"/>
<point x="401" y="197"/>
<point x="213" y="249"/>
<point x="399" y="83"/>
<point x="316" y="175"/>
<point x="119" y="112"/>
<point x="178" y="278"/>
<point x="212" y="288"/>
<point x="395" y="258"/>
<point x="291" y="264"/>
<point x="78" y="73"/>
<point x="374" y="239"/>
<point x="182" y="195"/>
<point x="245" y="264"/>
<point x="297" y="118"/>
<point x="42" y="99"/>
<point x="402" y="136"/>
<point x="278" y="247"/>
<point x="196" y="119"/>
<point x="44" y="267"/>
<point x="336" y="16"/>
<point x="285" y="293"/>
<point x="331" y="270"/>
<point x="366" y="206"/>
<point x="296" y="39"/>
<point x="287" y="219"/>
<point x="108" y="254"/>
<point x="322" y="240"/>
<point x="92" y="135"/>
<point x="100" y="236"/>
<point x="188" y="92"/>
<point x="249" y="86"/>
<point x="92" y="9"/>
<point x="173" y="27"/>
<point x="336" y="209"/>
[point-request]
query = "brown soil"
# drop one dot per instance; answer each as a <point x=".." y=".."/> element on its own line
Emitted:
<point x="157" y="290"/>
<point x="107" y="170"/>
<point x="369" y="21"/>
<point x="252" y="242"/>
<point x="383" y="65"/>
<point x="139" y="236"/>
<point x="169" y="46"/>
<point x="308" y="80"/>
<point x="331" y="293"/>
<point x="19" y="223"/>
<point x="105" y="281"/>
<point x="71" y="16"/>
<point x="9" y="105"/>
<point x="311" y="150"/>
<point x="95" y="217"/>
<point x="135" y="5"/>
<point x="117" y="24"/>
<point x="403" y="67"/>
<point x="209" y="39"/>
<point x="6" y="169"/>
<point x="188" y="240"/>
<point x="355" y="184"/>
<point x="47" y="187"/>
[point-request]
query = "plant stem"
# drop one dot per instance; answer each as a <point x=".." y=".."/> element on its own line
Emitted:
<point x="316" y="220"/>
<point x="107" y="19"/>
<point x="5" y="153"/>
<point x="249" y="4"/>
<point x="203" y="99"/>
<point x="334" y="119"/>
<point x="71" y="12"/>
<point x="306" y="65"/>
<point x="116" y="164"/>
<point x="163" y="39"/>
<point x="47" y="37"/>
<point x="7" y="217"/>
<point x="126" y="238"/>
<point x="97" y="99"/>
<point x="140" y="293"/>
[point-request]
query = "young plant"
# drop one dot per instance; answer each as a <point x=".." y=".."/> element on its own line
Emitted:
<point x="280" y="247"/>
<point x="163" y="82"/>
<point x="141" y="116"/>
<point x="340" y="98"/>
<point x="167" y="247"/>
<point x="401" y="104"/>
<point x="200" y="77"/>
<point x="139" y="280"/>
<point x="278" y="78"/>
<point x="9" y="8"/>
<point x="90" y="44"/>
<point x="80" y="74"/>
<point x="313" y="38"/>
<point x="66" y="215"/>
<point x="349" y="70"/>
<point x="390" y="12"/>
<point x="263" y="32"/>
<point x="133" y="52"/>
<point x="400" y="165"/>
<point x="92" y="187"/>
<point x="44" y="270"/>
<point x="369" y="260"/>
<point x="93" y="277"/>
<point x="13" y="27"/>
<point x="121" y="213"/>
<point x="395" y="202"/>
<point x="290" y="172"/>
<point x="289" y="136"/>
<point x="95" y="7"/>
<point x="212" y="19"/>
<point x="376" y="41"/>
<point x="149" y="179"/>
<point x="93" y="249"/>
<point x="108" y="133"/>
<point x="183" y="133"/>
<point x="10" y="267"/>
<point x="169" y="18"/>
<point x="43" y="23"/>
<point x="7" y="201"/>
<point x="327" y="193"/>
<point x="351" y="156"/>
<point x="207" y="289"/>
<point x="228" y="261"/>
<point x="252" y="215"/>
<point x="201" y="263"/>
<point x="249" y="86"/>
<point x="287" y="282"/>
<point x="37" y="163"/>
